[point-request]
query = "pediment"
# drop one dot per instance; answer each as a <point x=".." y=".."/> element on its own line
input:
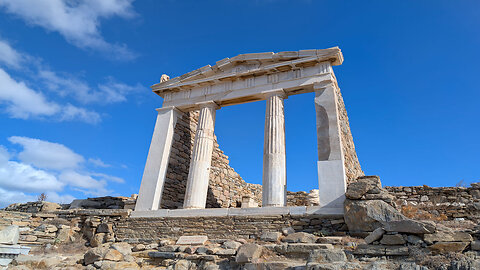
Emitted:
<point x="252" y="64"/>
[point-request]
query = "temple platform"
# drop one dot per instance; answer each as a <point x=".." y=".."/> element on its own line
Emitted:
<point x="233" y="212"/>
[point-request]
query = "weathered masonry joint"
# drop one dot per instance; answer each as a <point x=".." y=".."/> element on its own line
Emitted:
<point x="192" y="99"/>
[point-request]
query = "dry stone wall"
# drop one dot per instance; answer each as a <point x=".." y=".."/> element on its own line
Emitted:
<point x="453" y="202"/>
<point x="138" y="230"/>
<point x="353" y="169"/>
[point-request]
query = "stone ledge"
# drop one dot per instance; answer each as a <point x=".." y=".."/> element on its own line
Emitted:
<point x="258" y="211"/>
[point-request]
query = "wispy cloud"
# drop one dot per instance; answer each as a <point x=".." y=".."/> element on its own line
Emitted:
<point x="22" y="101"/>
<point x="77" y="21"/>
<point x="9" y="56"/>
<point x="99" y="163"/>
<point x="111" y="91"/>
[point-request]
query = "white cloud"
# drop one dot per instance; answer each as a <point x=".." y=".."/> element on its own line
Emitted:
<point x="77" y="21"/>
<point x="9" y="56"/>
<point x="47" y="155"/>
<point x="85" y="183"/>
<point x="59" y="198"/>
<point x="98" y="162"/>
<point x="110" y="178"/>
<point x="70" y="113"/>
<point x="17" y="176"/>
<point x="111" y="91"/>
<point x="8" y="197"/>
<point x="23" y="102"/>
<point x="50" y="168"/>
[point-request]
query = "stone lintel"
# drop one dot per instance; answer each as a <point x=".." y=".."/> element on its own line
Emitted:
<point x="243" y="90"/>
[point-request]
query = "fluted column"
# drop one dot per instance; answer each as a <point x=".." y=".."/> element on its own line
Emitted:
<point x="274" y="160"/>
<point x="198" y="176"/>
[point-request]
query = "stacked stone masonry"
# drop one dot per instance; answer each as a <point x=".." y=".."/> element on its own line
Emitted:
<point x="453" y="202"/>
<point x="138" y="230"/>
<point x="353" y="169"/>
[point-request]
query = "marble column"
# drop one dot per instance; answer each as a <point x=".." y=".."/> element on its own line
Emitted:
<point x="274" y="190"/>
<point x="199" y="174"/>
<point x="331" y="169"/>
<point x="151" y="188"/>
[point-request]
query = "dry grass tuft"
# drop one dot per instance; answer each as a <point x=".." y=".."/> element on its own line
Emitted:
<point x="414" y="212"/>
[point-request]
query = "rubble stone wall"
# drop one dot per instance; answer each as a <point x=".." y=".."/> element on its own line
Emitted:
<point x="352" y="165"/>
<point x="453" y="202"/>
<point x="248" y="227"/>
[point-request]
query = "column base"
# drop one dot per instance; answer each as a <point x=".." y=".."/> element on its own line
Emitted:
<point x="332" y="184"/>
<point x="274" y="205"/>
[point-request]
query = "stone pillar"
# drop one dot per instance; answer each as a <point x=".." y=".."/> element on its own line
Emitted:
<point x="274" y="190"/>
<point x="151" y="188"/>
<point x="332" y="182"/>
<point x="199" y="174"/>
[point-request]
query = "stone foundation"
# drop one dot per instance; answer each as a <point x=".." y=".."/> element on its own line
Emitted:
<point x="139" y="230"/>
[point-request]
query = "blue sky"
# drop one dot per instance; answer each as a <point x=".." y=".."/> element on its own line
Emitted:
<point x="77" y="113"/>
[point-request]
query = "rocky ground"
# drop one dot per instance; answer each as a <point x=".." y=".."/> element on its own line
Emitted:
<point x="376" y="236"/>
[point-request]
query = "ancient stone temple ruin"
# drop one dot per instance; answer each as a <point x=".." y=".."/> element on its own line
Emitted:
<point x="184" y="134"/>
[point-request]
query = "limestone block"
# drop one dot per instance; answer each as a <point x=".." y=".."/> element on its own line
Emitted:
<point x="334" y="240"/>
<point x="10" y="235"/>
<point x="161" y="255"/>
<point x="192" y="240"/>
<point x="366" y="216"/>
<point x="300" y="237"/>
<point x="363" y="185"/>
<point x="169" y="248"/>
<point x="249" y="253"/>
<point x="50" y="207"/>
<point x="94" y="254"/>
<point x="447" y="237"/>
<point x="113" y="255"/>
<point x="270" y="236"/>
<point x="380" y="250"/>
<point x="123" y="248"/>
<point x="231" y="245"/>
<point x="305" y="247"/>
<point x="409" y="226"/>
<point x="392" y="239"/>
<point x="375" y="235"/>
<point x="445" y="247"/>
<point x="327" y="256"/>
<point x="415" y="240"/>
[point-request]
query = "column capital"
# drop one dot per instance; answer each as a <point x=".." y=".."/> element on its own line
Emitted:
<point x="169" y="108"/>
<point x="322" y="85"/>
<point x="209" y="104"/>
<point x="276" y="92"/>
